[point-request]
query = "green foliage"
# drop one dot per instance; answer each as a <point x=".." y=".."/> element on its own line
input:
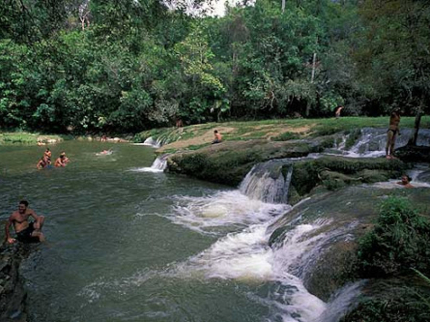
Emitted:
<point x="400" y="240"/>
<point x="128" y="66"/>
<point x="404" y="306"/>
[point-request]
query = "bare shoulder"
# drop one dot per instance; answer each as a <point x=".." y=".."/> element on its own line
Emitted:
<point x="13" y="215"/>
<point x="30" y="212"/>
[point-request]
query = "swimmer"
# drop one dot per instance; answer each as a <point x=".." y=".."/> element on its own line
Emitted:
<point x="43" y="163"/>
<point x="405" y="181"/>
<point x="65" y="158"/>
<point x="48" y="155"/>
<point x="105" y="152"/>
<point x="60" y="161"/>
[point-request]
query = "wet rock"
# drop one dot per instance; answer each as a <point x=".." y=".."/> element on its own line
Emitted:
<point x="336" y="172"/>
<point x="12" y="293"/>
<point x="350" y="211"/>
<point x="410" y="153"/>
<point x="229" y="162"/>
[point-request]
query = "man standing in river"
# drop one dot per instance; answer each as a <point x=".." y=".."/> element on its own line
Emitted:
<point x="26" y="231"/>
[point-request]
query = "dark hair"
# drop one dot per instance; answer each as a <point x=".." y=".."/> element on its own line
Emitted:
<point x="24" y="202"/>
<point x="409" y="178"/>
<point x="216" y="131"/>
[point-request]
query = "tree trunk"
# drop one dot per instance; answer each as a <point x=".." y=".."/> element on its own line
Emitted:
<point x="283" y="6"/>
<point x="413" y="140"/>
<point x="308" y="105"/>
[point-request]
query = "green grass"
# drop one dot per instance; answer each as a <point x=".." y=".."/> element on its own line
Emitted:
<point x="260" y="129"/>
<point x="287" y="136"/>
<point x="14" y="138"/>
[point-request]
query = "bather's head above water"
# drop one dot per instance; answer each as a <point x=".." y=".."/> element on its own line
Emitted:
<point x="405" y="181"/>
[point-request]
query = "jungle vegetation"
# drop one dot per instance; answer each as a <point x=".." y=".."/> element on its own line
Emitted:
<point x="124" y="66"/>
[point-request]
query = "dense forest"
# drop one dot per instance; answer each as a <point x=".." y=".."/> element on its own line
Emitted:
<point x="122" y="66"/>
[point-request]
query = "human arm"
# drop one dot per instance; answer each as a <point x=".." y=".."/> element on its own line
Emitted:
<point x="38" y="220"/>
<point x="9" y="239"/>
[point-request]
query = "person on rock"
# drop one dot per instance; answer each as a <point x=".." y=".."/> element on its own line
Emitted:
<point x="392" y="133"/>
<point x="217" y="137"/>
<point x="26" y="231"/>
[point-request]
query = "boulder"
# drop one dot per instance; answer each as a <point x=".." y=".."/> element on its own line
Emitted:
<point x="12" y="293"/>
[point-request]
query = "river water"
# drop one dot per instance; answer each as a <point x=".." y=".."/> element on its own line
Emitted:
<point x="125" y="243"/>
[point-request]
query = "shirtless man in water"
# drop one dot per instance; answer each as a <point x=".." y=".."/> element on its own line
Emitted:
<point x="406" y="181"/>
<point x="43" y="163"/>
<point x="60" y="162"/>
<point x="26" y="231"/>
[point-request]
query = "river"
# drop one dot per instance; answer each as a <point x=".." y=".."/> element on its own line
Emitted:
<point x="128" y="244"/>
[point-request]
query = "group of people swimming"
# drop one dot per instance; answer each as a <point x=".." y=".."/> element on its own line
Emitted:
<point x="45" y="160"/>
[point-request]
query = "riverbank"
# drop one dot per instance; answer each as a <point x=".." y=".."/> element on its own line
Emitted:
<point x="195" y="137"/>
<point x="26" y="138"/>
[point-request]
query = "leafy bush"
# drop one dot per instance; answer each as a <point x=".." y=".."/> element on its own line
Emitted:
<point x="400" y="240"/>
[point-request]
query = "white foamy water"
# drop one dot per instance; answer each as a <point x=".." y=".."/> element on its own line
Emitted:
<point x="159" y="165"/>
<point x="393" y="184"/>
<point x="372" y="142"/>
<point x="150" y="142"/>
<point x="246" y="257"/>
<point x="223" y="209"/>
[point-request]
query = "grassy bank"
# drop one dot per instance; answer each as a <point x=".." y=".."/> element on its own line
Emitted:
<point x="275" y="130"/>
<point x="12" y="138"/>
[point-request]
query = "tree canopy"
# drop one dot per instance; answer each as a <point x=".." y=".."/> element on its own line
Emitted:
<point x="129" y="65"/>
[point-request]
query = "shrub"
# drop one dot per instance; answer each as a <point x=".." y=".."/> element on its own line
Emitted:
<point x="400" y="240"/>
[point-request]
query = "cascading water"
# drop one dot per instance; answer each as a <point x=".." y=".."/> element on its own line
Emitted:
<point x="154" y="143"/>
<point x="246" y="255"/>
<point x="372" y="142"/>
<point x="267" y="182"/>
<point x="159" y="165"/>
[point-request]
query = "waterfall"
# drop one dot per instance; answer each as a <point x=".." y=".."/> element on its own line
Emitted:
<point x="151" y="142"/>
<point x="267" y="182"/>
<point x="372" y="142"/>
<point x="159" y="165"/>
<point x="341" y="302"/>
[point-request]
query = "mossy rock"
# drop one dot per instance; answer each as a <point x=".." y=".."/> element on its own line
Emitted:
<point x="395" y="299"/>
<point x="229" y="162"/>
<point x="336" y="172"/>
<point x="332" y="270"/>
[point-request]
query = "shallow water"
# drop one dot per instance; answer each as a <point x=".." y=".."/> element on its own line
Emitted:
<point x="127" y="245"/>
